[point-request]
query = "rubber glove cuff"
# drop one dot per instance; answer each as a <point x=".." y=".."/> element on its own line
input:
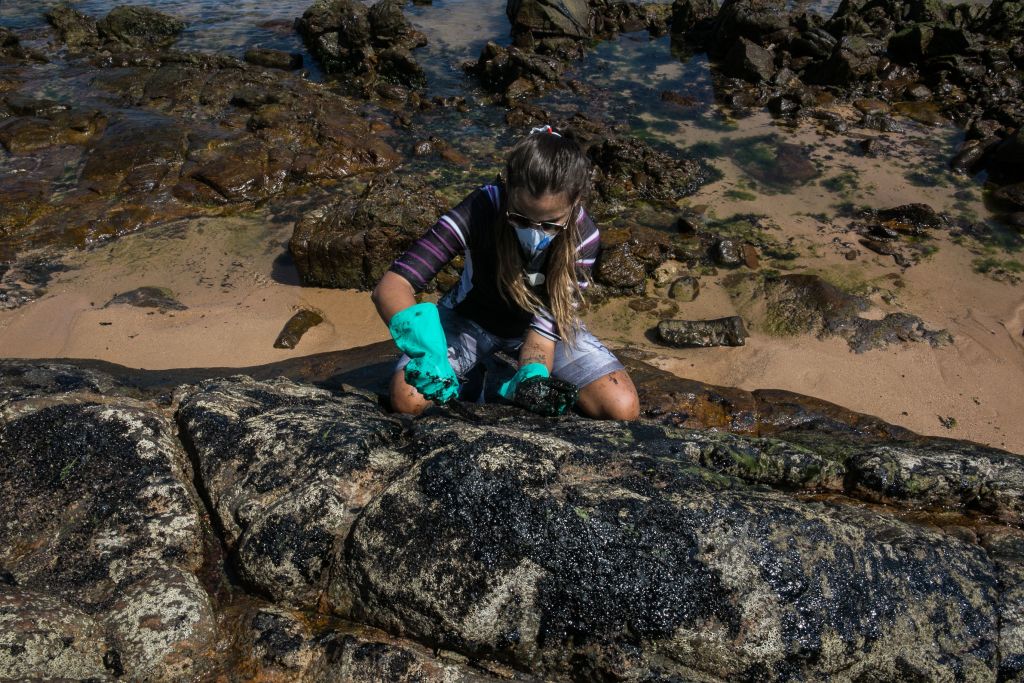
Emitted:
<point x="508" y="389"/>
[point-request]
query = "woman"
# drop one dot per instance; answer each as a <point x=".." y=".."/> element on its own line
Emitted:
<point x="528" y="246"/>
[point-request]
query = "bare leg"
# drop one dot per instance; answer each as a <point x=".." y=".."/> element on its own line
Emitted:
<point x="611" y="397"/>
<point x="405" y="398"/>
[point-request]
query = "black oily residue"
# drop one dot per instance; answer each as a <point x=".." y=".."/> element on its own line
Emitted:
<point x="547" y="396"/>
<point x="291" y="539"/>
<point x="333" y="449"/>
<point x="49" y="469"/>
<point x="621" y="569"/>
<point x="412" y="376"/>
<point x="858" y="592"/>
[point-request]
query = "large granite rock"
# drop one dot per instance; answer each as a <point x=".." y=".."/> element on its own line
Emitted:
<point x="564" y="553"/>
<point x="101" y="541"/>
<point x="286" y="469"/>
<point x="568" y="18"/>
<point x="140" y="27"/>
<point x="488" y="543"/>
<point x="364" y="43"/>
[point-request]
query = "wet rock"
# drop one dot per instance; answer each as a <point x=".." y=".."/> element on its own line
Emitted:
<point x="75" y="29"/>
<point x="927" y="113"/>
<point x="389" y="27"/>
<point x="366" y="43"/>
<point x="273" y="59"/>
<point x="749" y="19"/>
<point x="140" y="27"/>
<point x="687" y="14"/>
<point x="886" y="248"/>
<point x="871" y="106"/>
<point x="802" y="304"/>
<point x="568" y="18"/>
<point x="727" y="331"/>
<point x="630" y="169"/>
<point x="620" y="268"/>
<point x="285" y="504"/>
<point x="297" y="325"/>
<point x="397" y="65"/>
<point x="148" y="297"/>
<point x="970" y="155"/>
<point x="909" y="219"/>
<point x="242" y="172"/>
<point x="353" y="242"/>
<point x="24" y="135"/>
<point x="685" y="288"/>
<point x="749" y="61"/>
<point x="130" y="150"/>
<point x="727" y="253"/>
<point x="106" y="512"/>
<point x="1012" y="195"/>
<point x="655" y="544"/>
<point x="515" y="72"/>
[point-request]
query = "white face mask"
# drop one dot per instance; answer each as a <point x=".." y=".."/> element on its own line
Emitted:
<point x="533" y="241"/>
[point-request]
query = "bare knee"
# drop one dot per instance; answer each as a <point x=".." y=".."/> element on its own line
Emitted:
<point x="404" y="398"/>
<point x="611" y="397"/>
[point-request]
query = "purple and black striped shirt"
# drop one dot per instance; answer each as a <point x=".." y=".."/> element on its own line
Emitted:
<point x="466" y="231"/>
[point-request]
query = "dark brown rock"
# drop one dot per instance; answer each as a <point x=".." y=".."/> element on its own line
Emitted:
<point x="749" y="61"/>
<point x="75" y="29"/>
<point x="353" y="242"/>
<point x="727" y="331"/>
<point x="569" y="18"/>
<point x="297" y="325"/>
<point x="140" y="27"/>
<point x="274" y="59"/>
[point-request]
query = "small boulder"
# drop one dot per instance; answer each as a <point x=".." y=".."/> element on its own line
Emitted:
<point x="273" y="59"/>
<point x="727" y="253"/>
<point x="140" y="27"/>
<point x="749" y="61"/>
<point x="728" y="331"/>
<point x="686" y="14"/>
<point x="544" y="18"/>
<point x="685" y="288"/>
<point x="73" y="27"/>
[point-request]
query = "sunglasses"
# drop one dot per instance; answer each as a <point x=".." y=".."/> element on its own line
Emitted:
<point x="521" y="221"/>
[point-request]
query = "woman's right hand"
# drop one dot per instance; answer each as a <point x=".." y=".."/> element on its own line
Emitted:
<point x="417" y="331"/>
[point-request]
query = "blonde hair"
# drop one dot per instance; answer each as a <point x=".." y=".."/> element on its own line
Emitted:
<point x="539" y="164"/>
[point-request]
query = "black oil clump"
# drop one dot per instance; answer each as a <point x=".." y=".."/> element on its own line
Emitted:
<point x="547" y="396"/>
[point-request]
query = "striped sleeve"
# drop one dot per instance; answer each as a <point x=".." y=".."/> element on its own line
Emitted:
<point x="445" y="240"/>
<point x="544" y="323"/>
<point x="586" y="252"/>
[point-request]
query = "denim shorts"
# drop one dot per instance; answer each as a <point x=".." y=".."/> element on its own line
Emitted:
<point x="475" y="355"/>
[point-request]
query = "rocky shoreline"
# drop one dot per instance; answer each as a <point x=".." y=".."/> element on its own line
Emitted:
<point x="274" y="523"/>
<point x="302" y="533"/>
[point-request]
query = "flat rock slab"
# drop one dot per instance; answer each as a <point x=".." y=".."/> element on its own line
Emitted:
<point x="286" y="468"/>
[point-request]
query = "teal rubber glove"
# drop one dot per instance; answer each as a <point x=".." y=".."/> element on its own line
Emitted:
<point x="418" y="333"/>
<point x="508" y="389"/>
